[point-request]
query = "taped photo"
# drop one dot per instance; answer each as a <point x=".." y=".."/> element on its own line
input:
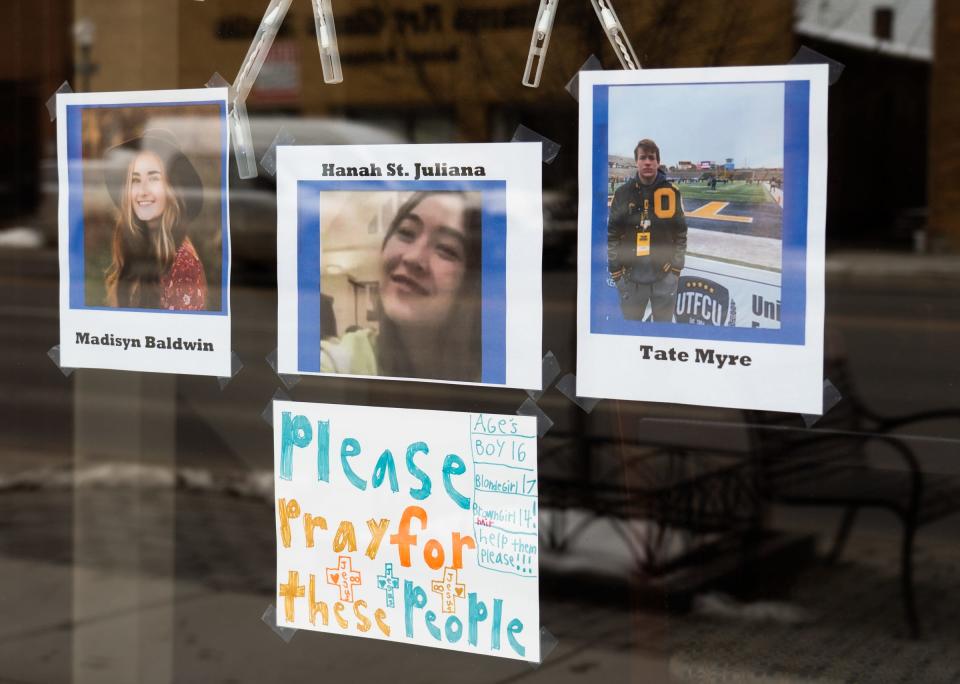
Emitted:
<point x="411" y="262"/>
<point x="701" y="236"/>
<point x="144" y="231"/>
<point x="417" y="527"/>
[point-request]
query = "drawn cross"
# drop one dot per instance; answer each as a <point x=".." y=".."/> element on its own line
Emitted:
<point x="388" y="583"/>
<point x="344" y="577"/>
<point x="290" y="591"/>
<point x="449" y="590"/>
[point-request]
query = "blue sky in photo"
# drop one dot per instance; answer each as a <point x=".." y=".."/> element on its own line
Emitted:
<point x="701" y="122"/>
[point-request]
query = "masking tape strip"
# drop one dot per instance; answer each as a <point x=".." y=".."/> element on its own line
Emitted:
<point x="269" y="159"/>
<point x="242" y="140"/>
<point x="235" y="366"/>
<point x="289" y="381"/>
<point x="551" y="369"/>
<point x="52" y="101"/>
<point x="831" y="397"/>
<point x="270" y="618"/>
<point x="549" y="148"/>
<point x="807" y="56"/>
<point x="54" y="354"/>
<point x="529" y="408"/>
<point x="568" y="388"/>
<point x="267" y="413"/>
<point x="548" y="643"/>
<point x="573" y="85"/>
<point x="217" y="81"/>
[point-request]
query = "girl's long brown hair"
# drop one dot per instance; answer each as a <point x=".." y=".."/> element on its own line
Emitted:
<point x="140" y="255"/>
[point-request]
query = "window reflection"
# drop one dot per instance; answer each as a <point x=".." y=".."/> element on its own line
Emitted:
<point x="138" y="532"/>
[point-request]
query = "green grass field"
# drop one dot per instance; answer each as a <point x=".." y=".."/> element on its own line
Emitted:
<point x="736" y="191"/>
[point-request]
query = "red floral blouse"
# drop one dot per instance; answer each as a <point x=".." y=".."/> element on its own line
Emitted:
<point x="184" y="286"/>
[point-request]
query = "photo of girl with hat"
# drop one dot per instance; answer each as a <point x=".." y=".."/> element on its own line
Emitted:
<point x="158" y="193"/>
<point x="144" y="230"/>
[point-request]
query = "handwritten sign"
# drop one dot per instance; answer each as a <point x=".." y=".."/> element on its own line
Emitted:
<point x="410" y="526"/>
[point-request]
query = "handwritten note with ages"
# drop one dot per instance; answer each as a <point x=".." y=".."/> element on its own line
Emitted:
<point x="406" y="525"/>
<point x="504" y="494"/>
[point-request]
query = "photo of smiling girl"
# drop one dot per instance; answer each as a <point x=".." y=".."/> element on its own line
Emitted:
<point x="144" y="230"/>
<point x="396" y="279"/>
<point x="427" y="297"/>
<point x="158" y="193"/>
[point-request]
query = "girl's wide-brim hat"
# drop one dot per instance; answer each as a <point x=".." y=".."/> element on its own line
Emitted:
<point x="181" y="173"/>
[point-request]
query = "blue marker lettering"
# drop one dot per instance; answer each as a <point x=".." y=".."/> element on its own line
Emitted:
<point x="430" y="618"/>
<point x="476" y="613"/>
<point x="295" y="432"/>
<point x="323" y="450"/>
<point x="454" y="465"/>
<point x="453" y="629"/>
<point x="413" y="597"/>
<point x="495" y="626"/>
<point x="515" y="627"/>
<point x="348" y="449"/>
<point x="424" y="491"/>
<point x="385" y="467"/>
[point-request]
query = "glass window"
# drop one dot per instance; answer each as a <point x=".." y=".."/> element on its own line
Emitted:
<point x="677" y="543"/>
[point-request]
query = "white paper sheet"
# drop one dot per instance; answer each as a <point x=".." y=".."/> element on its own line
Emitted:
<point x="98" y="137"/>
<point x="336" y="213"/>
<point x="745" y="153"/>
<point x="412" y="526"/>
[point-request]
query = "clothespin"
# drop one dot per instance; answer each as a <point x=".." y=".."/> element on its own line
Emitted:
<point x="544" y="26"/>
<point x="253" y="61"/>
<point x="239" y="123"/>
<point x="327" y="41"/>
<point x="539" y="42"/>
<point x="614" y="30"/>
<point x="257" y="53"/>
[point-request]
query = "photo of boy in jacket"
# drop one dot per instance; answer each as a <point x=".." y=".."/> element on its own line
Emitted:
<point x="646" y="239"/>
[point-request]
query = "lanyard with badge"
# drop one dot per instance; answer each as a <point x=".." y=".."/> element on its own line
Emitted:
<point x="643" y="234"/>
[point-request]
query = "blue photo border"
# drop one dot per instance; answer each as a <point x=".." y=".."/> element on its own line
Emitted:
<point x="493" y="265"/>
<point x="75" y="219"/>
<point x="604" y="301"/>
